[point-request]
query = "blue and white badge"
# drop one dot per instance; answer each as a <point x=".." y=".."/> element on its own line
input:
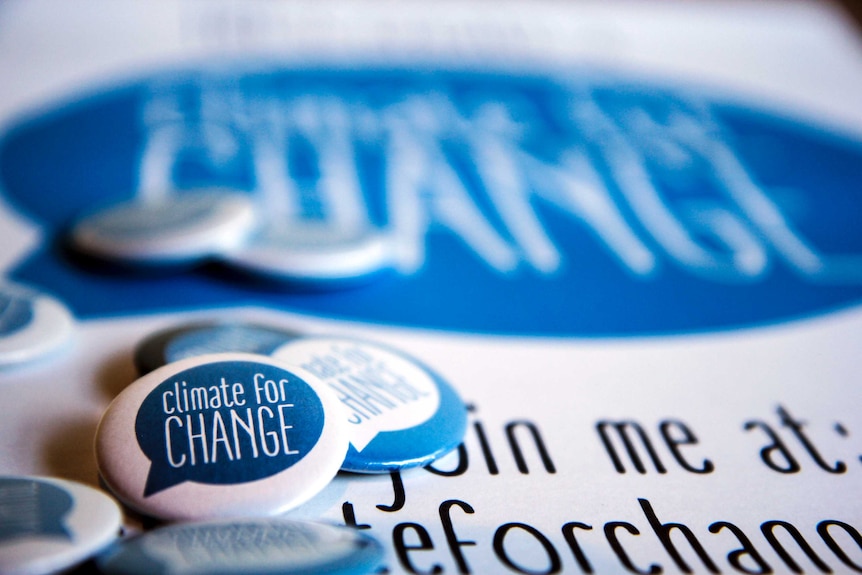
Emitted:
<point x="48" y="525"/>
<point x="178" y="228"/>
<point x="275" y="546"/>
<point x="314" y="255"/>
<point x="221" y="435"/>
<point x="195" y="339"/>
<point x="400" y="413"/>
<point x="32" y="324"/>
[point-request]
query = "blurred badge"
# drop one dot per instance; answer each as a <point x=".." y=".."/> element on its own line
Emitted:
<point x="193" y="339"/>
<point x="221" y="435"/>
<point x="167" y="230"/>
<point x="274" y="546"/>
<point x="314" y="255"/>
<point x="604" y="205"/>
<point x="400" y="413"/>
<point x="48" y="525"/>
<point x="32" y="324"/>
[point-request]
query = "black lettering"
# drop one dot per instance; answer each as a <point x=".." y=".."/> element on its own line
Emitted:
<point x="688" y="438"/>
<point x="486" y="448"/>
<point x="622" y="428"/>
<point x="823" y="530"/>
<point x="663" y="531"/>
<point x="402" y="549"/>
<point x="459" y="469"/>
<point x="398" y="491"/>
<point x="537" y="440"/>
<point x="350" y="517"/>
<point x="790" y="464"/>
<point x="455" y="544"/>
<point x="569" y="536"/>
<point x="796" y="428"/>
<point x="747" y="549"/>
<point x="611" y="535"/>
<point x="768" y="529"/>
<point x="555" y="565"/>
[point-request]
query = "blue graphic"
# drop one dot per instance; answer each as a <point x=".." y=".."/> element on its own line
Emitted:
<point x="30" y="508"/>
<point x="563" y="206"/>
<point x="15" y="313"/>
<point x="226" y="422"/>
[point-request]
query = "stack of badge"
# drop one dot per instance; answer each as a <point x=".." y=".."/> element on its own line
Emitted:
<point x="194" y="226"/>
<point x="188" y="439"/>
<point x="231" y="425"/>
<point x="230" y="441"/>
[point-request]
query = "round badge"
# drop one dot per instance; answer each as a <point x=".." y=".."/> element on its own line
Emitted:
<point x="180" y="228"/>
<point x="399" y="413"/>
<point x="48" y="525"/>
<point x="221" y="435"/>
<point x="32" y="324"/>
<point x="313" y="255"/>
<point x="195" y="339"/>
<point x="272" y="546"/>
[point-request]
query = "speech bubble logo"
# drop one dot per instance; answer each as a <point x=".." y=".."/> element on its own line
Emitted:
<point x="226" y="422"/>
<point x="16" y="312"/>
<point x="380" y="390"/>
<point x="30" y="508"/>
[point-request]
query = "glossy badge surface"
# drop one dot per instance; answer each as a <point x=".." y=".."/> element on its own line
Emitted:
<point x="272" y="546"/>
<point x="314" y="255"/>
<point x="400" y="414"/>
<point x="221" y="435"/>
<point x="32" y="324"/>
<point x="182" y="227"/>
<point x="48" y="525"/>
<point x="193" y="339"/>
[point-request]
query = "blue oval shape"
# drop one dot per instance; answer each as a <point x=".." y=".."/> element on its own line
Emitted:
<point x="582" y="206"/>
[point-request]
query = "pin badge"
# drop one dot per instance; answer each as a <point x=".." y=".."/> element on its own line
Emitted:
<point x="195" y="339"/>
<point x="181" y="228"/>
<point x="399" y="413"/>
<point x="48" y="525"/>
<point x="313" y="255"/>
<point x="248" y="546"/>
<point x="220" y="435"/>
<point x="32" y="324"/>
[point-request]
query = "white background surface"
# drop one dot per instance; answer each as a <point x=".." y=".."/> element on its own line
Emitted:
<point x="799" y="59"/>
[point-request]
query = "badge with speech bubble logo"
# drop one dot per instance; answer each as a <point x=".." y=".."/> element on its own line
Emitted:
<point x="399" y="413"/>
<point x="48" y="525"/>
<point x="221" y="435"/>
<point x="276" y="546"/>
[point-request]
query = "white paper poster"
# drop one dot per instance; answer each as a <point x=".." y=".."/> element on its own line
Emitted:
<point x="627" y="234"/>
